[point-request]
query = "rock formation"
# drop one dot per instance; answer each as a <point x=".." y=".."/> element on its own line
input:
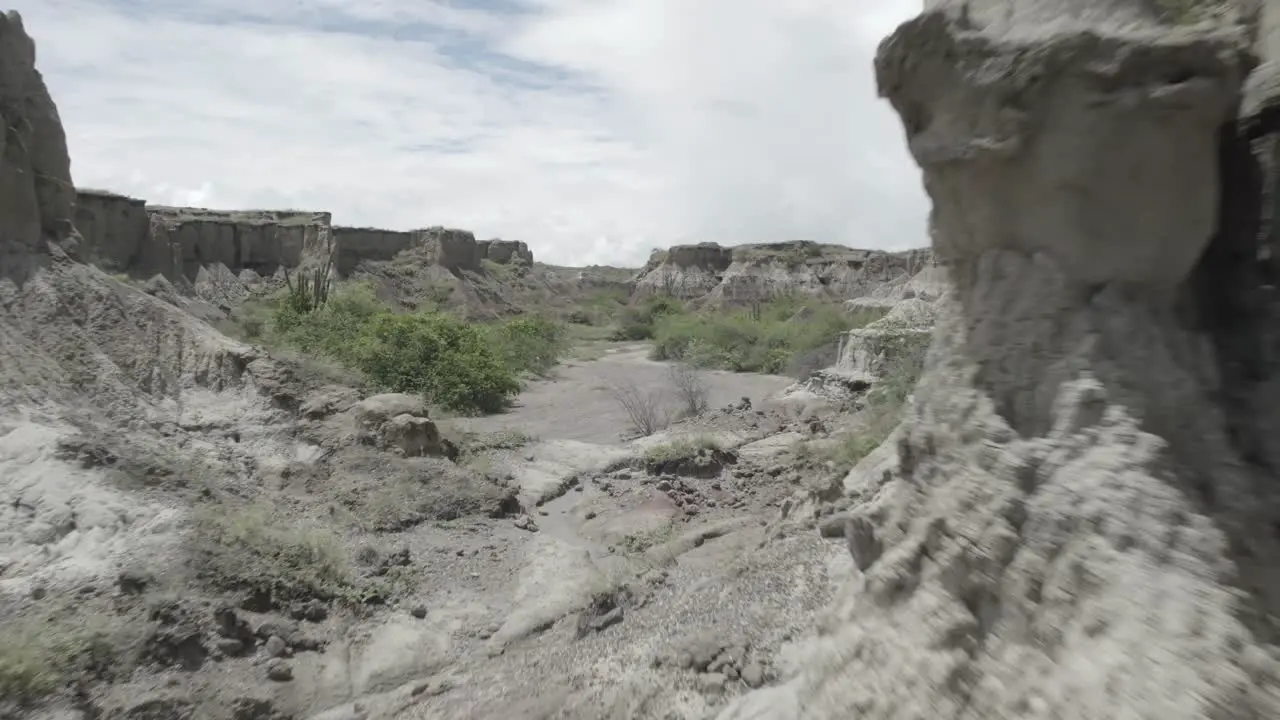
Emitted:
<point x="127" y="235"/>
<point x="506" y="252"/>
<point x="35" y="174"/>
<point x="114" y="230"/>
<point x="1078" y="522"/>
<point x="747" y="273"/>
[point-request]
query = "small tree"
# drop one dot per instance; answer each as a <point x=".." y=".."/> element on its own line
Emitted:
<point x="690" y="389"/>
<point x="645" y="410"/>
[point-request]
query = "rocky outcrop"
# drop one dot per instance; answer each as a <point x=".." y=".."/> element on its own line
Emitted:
<point x="113" y="229"/>
<point x="506" y="252"/>
<point x="714" y="274"/>
<point x="355" y="245"/>
<point x="36" y="194"/>
<point x="1072" y="526"/>
<point x="125" y="234"/>
<point x="180" y="241"/>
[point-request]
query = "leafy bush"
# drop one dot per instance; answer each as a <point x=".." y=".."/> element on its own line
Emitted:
<point x="532" y="344"/>
<point x="448" y="360"/>
<point x="462" y="366"/>
<point x="638" y="323"/>
<point x="778" y="338"/>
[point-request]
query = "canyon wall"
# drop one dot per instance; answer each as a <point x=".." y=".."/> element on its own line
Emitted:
<point x="711" y="273"/>
<point x="35" y="169"/>
<point x="125" y="234"/>
<point x="1077" y="517"/>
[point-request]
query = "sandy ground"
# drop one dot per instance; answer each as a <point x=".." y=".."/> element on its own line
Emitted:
<point x="578" y="402"/>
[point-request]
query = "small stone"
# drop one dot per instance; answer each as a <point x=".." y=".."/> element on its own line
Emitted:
<point x="230" y="647"/>
<point x="313" y="611"/>
<point x="577" y="488"/>
<point x="860" y="537"/>
<point x="711" y="683"/>
<point x="275" y="646"/>
<point x="132" y="583"/>
<point x="419" y="611"/>
<point x="613" y="617"/>
<point x="279" y="671"/>
<point x="590" y="514"/>
<point x="753" y="674"/>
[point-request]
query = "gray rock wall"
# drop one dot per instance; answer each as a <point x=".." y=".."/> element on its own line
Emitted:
<point x="113" y="228"/>
<point x="505" y="252"/>
<point x="35" y="169"/>
<point x="749" y="273"/>
<point x="125" y="234"/>
<point x="182" y="240"/>
<point x="357" y="244"/>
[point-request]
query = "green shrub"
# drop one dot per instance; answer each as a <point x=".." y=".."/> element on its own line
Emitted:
<point x="529" y="344"/>
<point x="451" y="362"/>
<point x="638" y="322"/>
<point x="782" y="336"/>
<point x="462" y="366"/>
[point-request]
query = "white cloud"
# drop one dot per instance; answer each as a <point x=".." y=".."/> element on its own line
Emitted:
<point x="592" y="129"/>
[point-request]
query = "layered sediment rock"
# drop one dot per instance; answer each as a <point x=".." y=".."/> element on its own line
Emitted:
<point x="506" y="252"/>
<point x="182" y="240"/>
<point x="1071" y="527"/>
<point x="113" y="228"/>
<point x="751" y="273"/>
<point x="126" y="235"/>
<point x="355" y="245"/>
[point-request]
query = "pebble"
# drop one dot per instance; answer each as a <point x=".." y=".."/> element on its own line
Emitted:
<point x="711" y="682"/>
<point x="753" y="674"/>
<point x="279" y="671"/>
<point x="275" y="646"/>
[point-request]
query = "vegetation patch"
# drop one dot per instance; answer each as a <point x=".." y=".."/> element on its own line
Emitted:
<point x="461" y="366"/>
<point x="905" y="350"/>
<point x="786" y="335"/>
<point x="41" y="654"/>
<point x="640" y="321"/>
<point x="700" y="456"/>
<point x="251" y="548"/>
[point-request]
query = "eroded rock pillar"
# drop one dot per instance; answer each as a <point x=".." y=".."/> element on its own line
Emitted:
<point x="1070" y="532"/>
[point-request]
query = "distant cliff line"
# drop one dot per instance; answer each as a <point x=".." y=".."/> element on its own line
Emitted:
<point x="128" y="235"/>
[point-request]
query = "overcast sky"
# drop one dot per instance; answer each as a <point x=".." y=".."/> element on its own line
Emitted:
<point x="595" y="130"/>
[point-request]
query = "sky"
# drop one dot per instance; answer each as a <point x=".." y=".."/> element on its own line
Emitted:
<point x="594" y="130"/>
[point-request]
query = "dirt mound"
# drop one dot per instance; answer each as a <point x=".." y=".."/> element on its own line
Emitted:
<point x="1071" y="530"/>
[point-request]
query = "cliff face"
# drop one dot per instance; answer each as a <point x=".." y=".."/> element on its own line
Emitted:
<point x="1077" y="517"/>
<point x="36" y="194"/>
<point x="711" y="273"/>
<point x="126" y="235"/>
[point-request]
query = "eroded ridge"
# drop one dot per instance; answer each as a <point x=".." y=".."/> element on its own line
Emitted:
<point x="1071" y="531"/>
